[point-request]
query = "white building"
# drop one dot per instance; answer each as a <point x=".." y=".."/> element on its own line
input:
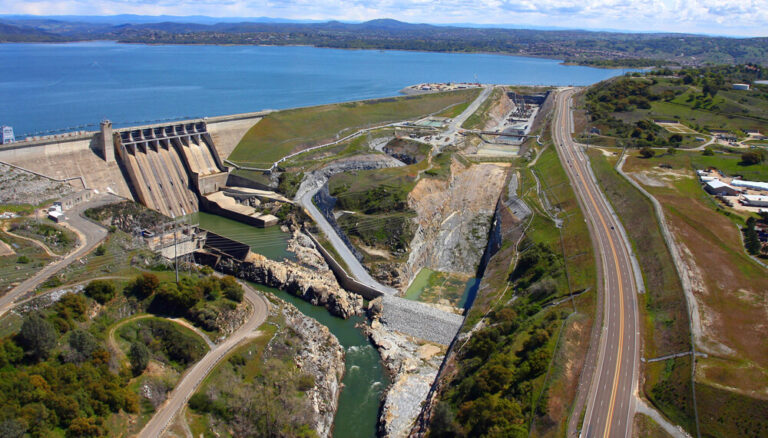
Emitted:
<point x="755" y="200"/>
<point x="754" y="185"/>
<point x="6" y="135"/>
<point x="741" y="86"/>
<point x="718" y="187"/>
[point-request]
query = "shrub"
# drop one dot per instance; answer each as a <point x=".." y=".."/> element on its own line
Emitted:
<point x="101" y="250"/>
<point x="144" y="285"/>
<point x="231" y="288"/>
<point x="305" y="383"/>
<point x="751" y="157"/>
<point x="23" y="260"/>
<point x="100" y="290"/>
<point x="708" y="152"/>
<point x="647" y="152"/>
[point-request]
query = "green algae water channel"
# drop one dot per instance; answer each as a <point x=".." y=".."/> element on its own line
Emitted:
<point x="364" y="377"/>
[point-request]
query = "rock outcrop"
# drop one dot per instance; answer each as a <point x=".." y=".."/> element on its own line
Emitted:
<point x="322" y="357"/>
<point x="319" y="288"/>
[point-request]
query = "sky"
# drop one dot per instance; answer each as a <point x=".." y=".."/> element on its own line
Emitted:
<point x="713" y="17"/>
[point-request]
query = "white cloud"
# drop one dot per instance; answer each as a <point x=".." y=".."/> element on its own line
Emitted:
<point x="735" y="17"/>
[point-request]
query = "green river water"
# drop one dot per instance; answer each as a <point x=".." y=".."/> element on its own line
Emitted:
<point x="364" y="379"/>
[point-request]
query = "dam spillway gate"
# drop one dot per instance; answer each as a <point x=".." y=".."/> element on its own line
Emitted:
<point x="169" y="166"/>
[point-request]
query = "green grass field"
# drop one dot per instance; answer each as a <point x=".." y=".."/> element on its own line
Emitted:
<point x="284" y="132"/>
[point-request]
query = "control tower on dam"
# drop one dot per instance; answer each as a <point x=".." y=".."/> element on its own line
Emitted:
<point x="169" y="166"/>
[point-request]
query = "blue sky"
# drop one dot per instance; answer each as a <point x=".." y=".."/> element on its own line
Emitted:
<point x="720" y="17"/>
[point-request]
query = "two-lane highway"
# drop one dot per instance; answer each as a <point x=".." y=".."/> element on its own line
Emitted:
<point x="610" y="403"/>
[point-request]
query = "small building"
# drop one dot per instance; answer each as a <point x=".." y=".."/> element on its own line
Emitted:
<point x="755" y="200"/>
<point x="6" y="135"/>
<point x="56" y="215"/>
<point x="718" y="187"/>
<point x="744" y="87"/>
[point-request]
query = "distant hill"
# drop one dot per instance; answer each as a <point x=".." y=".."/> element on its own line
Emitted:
<point x="604" y="49"/>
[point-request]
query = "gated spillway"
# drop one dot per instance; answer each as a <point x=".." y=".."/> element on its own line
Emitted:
<point x="169" y="166"/>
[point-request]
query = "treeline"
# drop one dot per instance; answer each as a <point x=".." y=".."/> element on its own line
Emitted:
<point x="576" y="46"/>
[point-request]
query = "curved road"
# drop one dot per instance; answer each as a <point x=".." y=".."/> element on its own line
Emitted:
<point x="93" y="236"/>
<point x="610" y="403"/>
<point x="195" y="375"/>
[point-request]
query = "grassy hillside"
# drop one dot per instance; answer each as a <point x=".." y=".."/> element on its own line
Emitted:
<point x="284" y="132"/>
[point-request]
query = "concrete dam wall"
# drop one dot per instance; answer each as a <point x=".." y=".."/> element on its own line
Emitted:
<point x="168" y="166"/>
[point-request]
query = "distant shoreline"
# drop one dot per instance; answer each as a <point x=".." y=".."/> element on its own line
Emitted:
<point x="562" y="61"/>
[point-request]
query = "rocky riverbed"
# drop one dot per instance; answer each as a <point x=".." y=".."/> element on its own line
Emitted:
<point x="413" y="365"/>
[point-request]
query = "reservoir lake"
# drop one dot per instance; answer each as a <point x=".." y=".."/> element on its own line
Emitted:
<point x="50" y="88"/>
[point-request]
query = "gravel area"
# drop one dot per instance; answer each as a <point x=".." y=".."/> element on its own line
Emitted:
<point x="21" y="187"/>
<point x="420" y="320"/>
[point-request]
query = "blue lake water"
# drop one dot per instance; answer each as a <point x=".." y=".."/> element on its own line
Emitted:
<point x="51" y="87"/>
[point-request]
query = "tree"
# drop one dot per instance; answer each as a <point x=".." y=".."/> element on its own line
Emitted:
<point x="676" y="138"/>
<point x="85" y="427"/>
<point x="751" y="238"/>
<point x="101" y="250"/>
<point x="144" y="285"/>
<point x="708" y="152"/>
<point x="71" y="307"/>
<point x="37" y="336"/>
<point x="100" y="290"/>
<point x="139" y="356"/>
<point x="751" y="157"/>
<point x="82" y="345"/>
<point x="647" y="152"/>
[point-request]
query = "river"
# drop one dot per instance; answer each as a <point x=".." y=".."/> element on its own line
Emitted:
<point x="68" y="87"/>
<point x="364" y="379"/>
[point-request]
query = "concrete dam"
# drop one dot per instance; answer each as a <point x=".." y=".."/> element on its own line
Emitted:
<point x="168" y="166"/>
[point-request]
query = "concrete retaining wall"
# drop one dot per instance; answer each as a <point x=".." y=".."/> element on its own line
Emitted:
<point x="212" y="207"/>
<point x="345" y="280"/>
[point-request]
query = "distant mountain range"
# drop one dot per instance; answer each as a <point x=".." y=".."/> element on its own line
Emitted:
<point x="577" y="46"/>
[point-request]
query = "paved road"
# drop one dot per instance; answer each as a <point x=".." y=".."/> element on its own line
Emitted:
<point x="610" y="404"/>
<point x="195" y="375"/>
<point x="93" y="235"/>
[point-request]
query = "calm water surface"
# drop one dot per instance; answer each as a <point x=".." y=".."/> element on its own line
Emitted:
<point x="50" y="87"/>
<point x="364" y="379"/>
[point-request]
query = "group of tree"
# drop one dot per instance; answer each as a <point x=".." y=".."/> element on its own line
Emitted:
<point x="54" y="374"/>
<point x="493" y="390"/>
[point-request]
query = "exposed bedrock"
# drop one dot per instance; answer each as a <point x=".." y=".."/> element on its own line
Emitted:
<point x="454" y="218"/>
<point x="319" y="288"/>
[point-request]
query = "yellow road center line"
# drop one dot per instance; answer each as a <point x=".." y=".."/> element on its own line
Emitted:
<point x="615" y="387"/>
